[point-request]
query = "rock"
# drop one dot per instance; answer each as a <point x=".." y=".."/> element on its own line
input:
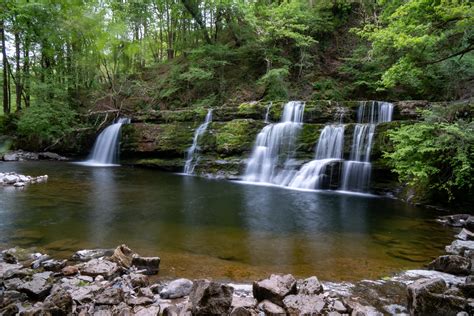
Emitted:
<point x="176" y="289"/>
<point x="17" y="255"/>
<point x="18" y="273"/>
<point x="151" y="265"/>
<point x="459" y="247"/>
<point x="457" y="220"/>
<point x="51" y="156"/>
<point x="5" y="267"/>
<point x="274" y="288"/>
<point x="19" y="184"/>
<point x="53" y="265"/>
<point x="246" y="302"/>
<point x="465" y="235"/>
<point x="39" y="286"/>
<point x="123" y="256"/>
<point x="171" y="310"/>
<point x="452" y="264"/>
<point x="84" y="293"/>
<point x="145" y="291"/>
<point x="11" y="309"/>
<point x="338" y="306"/>
<point x="309" y="286"/>
<point x="109" y="296"/>
<point x="36" y="264"/>
<point x="122" y="309"/>
<point x="363" y="310"/>
<point x="59" y="302"/>
<point x="9" y="297"/>
<point x="70" y="270"/>
<point x="12" y="284"/>
<point x="243" y="311"/>
<point x="209" y="297"/>
<point x="143" y="300"/>
<point x="146" y="311"/>
<point x="85" y="278"/>
<point x="138" y="280"/>
<point x="270" y="308"/>
<point x="468" y="287"/>
<point x="89" y="254"/>
<point x="426" y="297"/>
<point x="304" y="304"/>
<point x="97" y="267"/>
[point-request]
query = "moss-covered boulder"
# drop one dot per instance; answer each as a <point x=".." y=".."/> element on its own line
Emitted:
<point x="235" y="137"/>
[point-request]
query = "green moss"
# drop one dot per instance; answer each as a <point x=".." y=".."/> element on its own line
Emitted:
<point x="236" y="136"/>
<point x="308" y="139"/>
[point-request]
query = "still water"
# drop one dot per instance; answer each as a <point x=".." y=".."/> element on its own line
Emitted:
<point x="214" y="228"/>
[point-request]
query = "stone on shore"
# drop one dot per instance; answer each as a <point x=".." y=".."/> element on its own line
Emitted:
<point x="176" y="289"/>
<point x="452" y="264"/>
<point x="459" y="247"/>
<point x="89" y="254"/>
<point x="271" y="309"/>
<point x="309" y="286"/>
<point x="147" y="265"/>
<point x="95" y="267"/>
<point x="38" y="287"/>
<point x="210" y="298"/>
<point x="275" y="288"/>
<point x="465" y="235"/>
<point x="123" y="256"/>
<point x="303" y="304"/>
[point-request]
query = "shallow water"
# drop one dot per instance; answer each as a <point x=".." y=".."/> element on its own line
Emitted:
<point x="214" y="228"/>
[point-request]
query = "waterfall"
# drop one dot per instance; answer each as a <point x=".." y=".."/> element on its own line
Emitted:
<point x="267" y="112"/>
<point x="271" y="160"/>
<point x="191" y="160"/>
<point x="106" y="147"/>
<point x="357" y="170"/>
<point x="329" y="150"/>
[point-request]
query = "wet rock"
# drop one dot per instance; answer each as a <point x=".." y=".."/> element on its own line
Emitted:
<point x="89" y="254"/>
<point x="123" y="256"/>
<point x="6" y="268"/>
<point x="457" y="220"/>
<point x="452" y="264"/>
<point x="270" y="308"/>
<point x="109" y="296"/>
<point x="59" y="302"/>
<point x="149" y="265"/>
<point x="53" y="265"/>
<point x="70" y="270"/>
<point x="304" y="304"/>
<point x="358" y="309"/>
<point x="309" y="286"/>
<point x="138" y="280"/>
<point x="426" y="297"/>
<point x="209" y="297"/>
<point x="459" y="247"/>
<point x="274" y="288"/>
<point x="465" y="235"/>
<point x="176" y="289"/>
<point x="37" y="263"/>
<point x="39" y="286"/>
<point x="97" y="267"/>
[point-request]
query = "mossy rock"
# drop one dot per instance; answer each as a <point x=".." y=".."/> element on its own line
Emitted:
<point x="235" y="137"/>
<point x="173" y="165"/>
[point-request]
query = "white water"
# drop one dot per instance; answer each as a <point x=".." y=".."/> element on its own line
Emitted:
<point x="106" y="147"/>
<point x="329" y="150"/>
<point x="271" y="160"/>
<point x="357" y="170"/>
<point x="267" y="113"/>
<point x="191" y="158"/>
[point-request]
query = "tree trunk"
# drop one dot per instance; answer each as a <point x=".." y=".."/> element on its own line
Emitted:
<point x="193" y="9"/>
<point x="6" y="99"/>
<point x="18" y="82"/>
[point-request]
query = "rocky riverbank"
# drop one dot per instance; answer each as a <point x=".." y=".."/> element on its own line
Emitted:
<point x="20" y="155"/>
<point x="20" y="180"/>
<point x="121" y="282"/>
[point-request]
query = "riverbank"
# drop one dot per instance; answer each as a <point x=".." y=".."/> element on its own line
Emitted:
<point x="120" y="281"/>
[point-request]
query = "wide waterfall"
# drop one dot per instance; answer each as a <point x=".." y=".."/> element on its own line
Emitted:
<point x="191" y="159"/>
<point x="329" y="150"/>
<point x="357" y="170"/>
<point x="106" y="147"/>
<point x="271" y="160"/>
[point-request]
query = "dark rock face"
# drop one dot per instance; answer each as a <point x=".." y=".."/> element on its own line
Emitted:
<point x="177" y="288"/>
<point x="149" y="265"/>
<point x="426" y="297"/>
<point x="274" y="288"/>
<point x="210" y="298"/>
<point x="452" y="264"/>
<point x="465" y="235"/>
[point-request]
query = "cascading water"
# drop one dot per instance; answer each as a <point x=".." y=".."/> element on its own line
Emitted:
<point x="106" y="147"/>
<point x="330" y="149"/>
<point x="271" y="160"/>
<point x="357" y="170"/>
<point x="191" y="160"/>
<point x="267" y="112"/>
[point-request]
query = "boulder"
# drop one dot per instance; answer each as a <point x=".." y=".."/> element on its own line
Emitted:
<point x="457" y="220"/>
<point x="138" y="280"/>
<point x="51" y="156"/>
<point x="109" y="296"/>
<point x="146" y="311"/>
<point x="123" y="256"/>
<point x="149" y="265"/>
<point x="459" y="247"/>
<point x="38" y="287"/>
<point x="89" y="254"/>
<point x="5" y="267"/>
<point x="426" y="297"/>
<point x="358" y="309"/>
<point x="271" y="309"/>
<point x="452" y="264"/>
<point x="176" y="289"/>
<point x="70" y="270"/>
<point x="210" y="298"/>
<point x="53" y="265"/>
<point x="309" y="286"/>
<point x="274" y="288"/>
<point x="59" y="302"/>
<point x="465" y="235"/>
<point x="302" y="304"/>
<point x="97" y="267"/>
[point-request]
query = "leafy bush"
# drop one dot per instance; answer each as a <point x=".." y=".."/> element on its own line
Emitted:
<point x="46" y="123"/>
<point x="275" y="84"/>
<point x="435" y="156"/>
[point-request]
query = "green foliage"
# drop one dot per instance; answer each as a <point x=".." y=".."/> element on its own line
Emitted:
<point x="274" y="82"/>
<point x="435" y="156"/>
<point x="46" y="123"/>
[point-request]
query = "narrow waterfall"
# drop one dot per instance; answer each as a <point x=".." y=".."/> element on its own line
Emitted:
<point x="329" y="150"/>
<point x="191" y="160"/>
<point x="106" y="147"/>
<point x="271" y="160"/>
<point x="357" y="170"/>
<point x="267" y="112"/>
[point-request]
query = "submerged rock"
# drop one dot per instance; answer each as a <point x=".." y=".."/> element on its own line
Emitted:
<point x="210" y="298"/>
<point x="274" y="288"/>
<point x="177" y="288"/>
<point x="452" y="264"/>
